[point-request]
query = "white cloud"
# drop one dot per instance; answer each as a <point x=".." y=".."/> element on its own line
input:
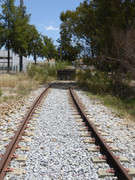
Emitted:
<point x="51" y="28"/>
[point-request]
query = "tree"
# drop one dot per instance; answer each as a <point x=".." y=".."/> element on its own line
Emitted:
<point x="80" y="26"/>
<point x="48" y="48"/>
<point x="2" y="30"/>
<point x="34" y="42"/>
<point x="93" y="24"/>
<point x="21" y="33"/>
<point x="7" y="19"/>
<point x="68" y="49"/>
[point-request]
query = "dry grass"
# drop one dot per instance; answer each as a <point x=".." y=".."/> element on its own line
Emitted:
<point x="15" y="86"/>
<point x="7" y="80"/>
<point x="13" y="81"/>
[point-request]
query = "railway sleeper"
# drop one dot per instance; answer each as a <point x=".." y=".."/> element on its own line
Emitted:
<point x="97" y="149"/>
<point x="15" y="171"/>
<point x="104" y="158"/>
<point x="107" y="172"/>
<point x="19" y="158"/>
<point x="92" y="141"/>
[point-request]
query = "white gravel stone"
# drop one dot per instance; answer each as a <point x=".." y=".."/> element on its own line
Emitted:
<point x="57" y="151"/>
<point x="120" y="130"/>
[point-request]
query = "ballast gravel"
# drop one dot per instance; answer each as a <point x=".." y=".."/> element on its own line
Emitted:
<point x="57" y="151"/>
<point x="122" y="131"/>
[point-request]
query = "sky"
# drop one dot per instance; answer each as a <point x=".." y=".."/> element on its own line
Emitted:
<point x="45" y="14"/>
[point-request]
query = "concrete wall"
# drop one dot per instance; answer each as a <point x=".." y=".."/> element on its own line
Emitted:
<point x="14" y="61"/>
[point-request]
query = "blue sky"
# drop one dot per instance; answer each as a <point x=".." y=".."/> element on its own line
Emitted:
<point x="45" y="14"/>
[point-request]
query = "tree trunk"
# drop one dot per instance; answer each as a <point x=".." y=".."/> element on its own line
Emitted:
<point x="35" y="58"/>
<point x="92" y="52"/>
<point x="61" y="51"/>
<point x="8" y="64"/>
<point x="21" y="63"/>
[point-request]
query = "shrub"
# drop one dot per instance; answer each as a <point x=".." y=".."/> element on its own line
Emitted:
<point x="44" y="73"/>
<point x="96" y="82"/>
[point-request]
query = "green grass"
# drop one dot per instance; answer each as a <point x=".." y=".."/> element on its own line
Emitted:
<point x="0" y="92"/>
<point x="23" y="90"/>
<point x="122" y="107"/>
<point x="6" y="98"/>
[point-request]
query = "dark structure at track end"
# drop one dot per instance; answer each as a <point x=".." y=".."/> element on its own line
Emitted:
<point x="66" y="74"/>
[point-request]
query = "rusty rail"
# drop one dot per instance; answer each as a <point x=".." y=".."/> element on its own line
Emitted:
<point x="120" y="172"/>
<point x="6" y="158"/>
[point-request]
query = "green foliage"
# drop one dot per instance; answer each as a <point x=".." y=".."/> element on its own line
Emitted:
<point x="92" y="25"/>
<point x="34" y="42"/>
<point x="17" y="34"/>
<point x="20" y="29"/>
<point x="48" y="49"/>
<point x="98" y="86"/>
<point x="7" y="19"/>
<point x="96" y="83"/>
<point x="68" y="48"/>
<point x="43" y="73"/>
<point x="122" y="107"/>
<point x="23" y="89"/>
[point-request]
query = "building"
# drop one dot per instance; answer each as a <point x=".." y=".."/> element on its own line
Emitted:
<point x="14" y="61"/>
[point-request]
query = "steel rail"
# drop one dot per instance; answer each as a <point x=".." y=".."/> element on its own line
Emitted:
<point x="7" y="156"/>
<point x="120" y="172"/>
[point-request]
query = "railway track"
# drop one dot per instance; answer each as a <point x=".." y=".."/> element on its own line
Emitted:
<point x="13" y="145"/>
<point x="101" y="144"/>
<point x="89" y="129"/>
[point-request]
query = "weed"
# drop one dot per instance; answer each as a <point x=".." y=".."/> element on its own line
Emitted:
<point x="5" y="98"/>
<point x="0" y="92"/>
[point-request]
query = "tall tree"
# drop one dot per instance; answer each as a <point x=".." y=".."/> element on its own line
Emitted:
<point x="34" y="42"/>
<point x="93" y="22"/>
<point x="48" y="48"/>
<point x="21" y="33"/>
<point x="80" y="24"/>
<point x="2" y="33"/>
<point x="7" y="19"/>
<point x="68" y="48"/>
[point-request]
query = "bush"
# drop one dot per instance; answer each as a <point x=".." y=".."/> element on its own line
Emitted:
<point x="96" y="82"/>
<point x="43" y="73"/>
<point x="99" y="83"/>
